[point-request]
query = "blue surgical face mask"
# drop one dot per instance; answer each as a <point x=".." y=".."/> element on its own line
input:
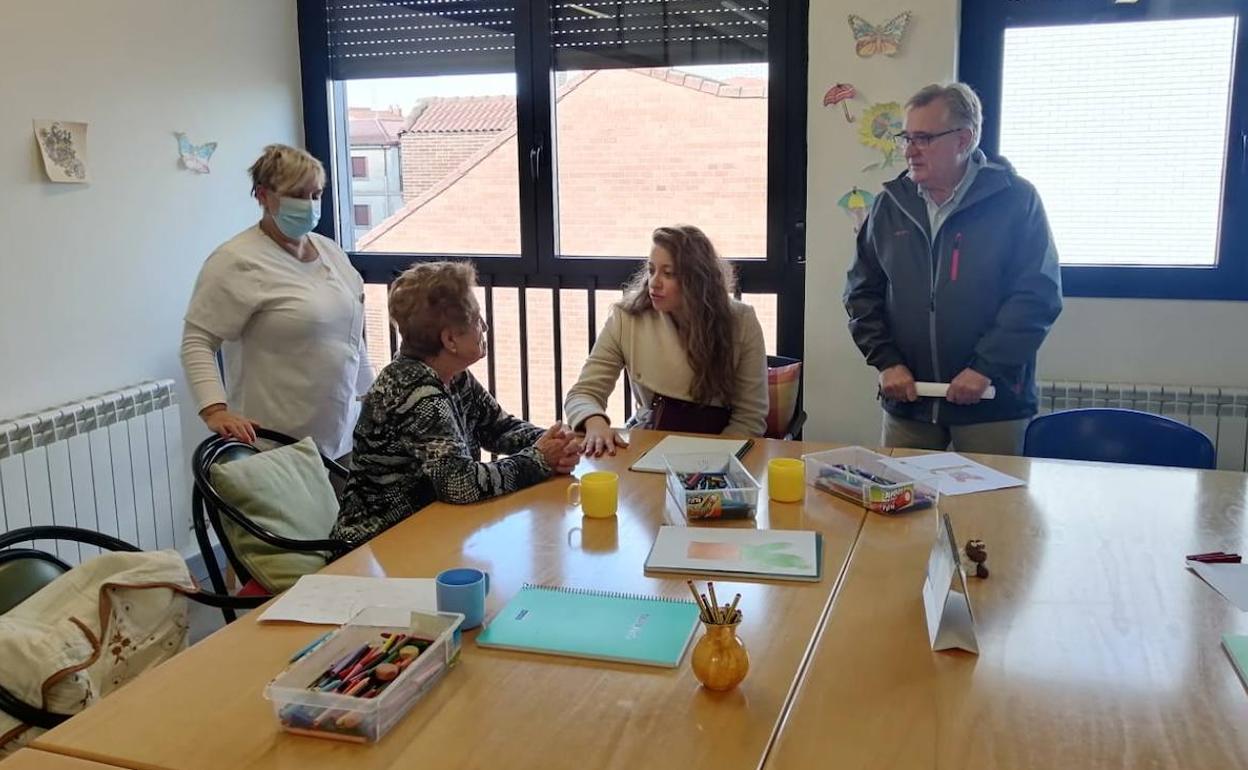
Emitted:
<point x="296" y="217"/>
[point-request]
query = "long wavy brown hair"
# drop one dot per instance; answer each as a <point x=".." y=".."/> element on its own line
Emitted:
<point x="706" y="326"/>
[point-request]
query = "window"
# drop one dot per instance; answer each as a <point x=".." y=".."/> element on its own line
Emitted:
<point x="1126" y="120"/>
<point x="363" y="215"/>
<point x="546" y="140"/>
<point x="359" y="167"/>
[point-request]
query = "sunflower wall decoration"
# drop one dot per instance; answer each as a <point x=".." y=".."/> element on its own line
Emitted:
<point x="876" y="128"/>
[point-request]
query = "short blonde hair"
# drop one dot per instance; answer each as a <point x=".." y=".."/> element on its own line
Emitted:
<point x="282" y="168"/>
<point x="961" y="102"/>
<point x="428" y="298"/>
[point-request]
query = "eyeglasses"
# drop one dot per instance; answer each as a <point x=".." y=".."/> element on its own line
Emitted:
<point x="922" y="141"/>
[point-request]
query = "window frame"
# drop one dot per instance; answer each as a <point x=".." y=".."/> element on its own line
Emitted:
<point x="782" y="272"/>
<point x="363" y="164"/>
<point x="355" y="214"/>
<point x="981" y="48"/>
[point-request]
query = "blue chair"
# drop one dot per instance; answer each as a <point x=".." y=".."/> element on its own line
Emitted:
<point x="1118" y="436"/>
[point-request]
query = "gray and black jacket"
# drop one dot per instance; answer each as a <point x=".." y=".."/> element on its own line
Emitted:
<point x="983" y="294"/>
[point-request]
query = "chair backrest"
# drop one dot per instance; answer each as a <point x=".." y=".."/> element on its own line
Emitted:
<point x="23" y="571"/>
<point x="784" y="396"/>
<point x="208" y="509"/>
<point x="1118" y="436"/>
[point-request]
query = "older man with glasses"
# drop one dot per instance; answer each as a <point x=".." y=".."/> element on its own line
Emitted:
<point x="955" y="282"/>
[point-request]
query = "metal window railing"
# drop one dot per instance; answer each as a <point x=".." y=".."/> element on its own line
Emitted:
<point x="552" y="343"/>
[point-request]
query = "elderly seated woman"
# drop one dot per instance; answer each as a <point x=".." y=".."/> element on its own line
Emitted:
<point x="426" y="418"/>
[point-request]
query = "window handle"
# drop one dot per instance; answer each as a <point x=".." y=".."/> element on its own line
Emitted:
<point x="535" y="159"/>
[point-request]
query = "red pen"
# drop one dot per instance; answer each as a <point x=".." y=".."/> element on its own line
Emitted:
<point x="957" y="252"/>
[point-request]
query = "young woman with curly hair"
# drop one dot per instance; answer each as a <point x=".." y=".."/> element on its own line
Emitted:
<point x="685" y="343"/>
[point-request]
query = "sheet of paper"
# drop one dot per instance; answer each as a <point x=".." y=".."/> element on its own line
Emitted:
<point x="652" y="461"/>
<point x="63" y="145"/>
<point x="956" y="474"/>
<point x="941" y="389"/>
<point x="333" y="599"/>
<point x="1230" y="580"/>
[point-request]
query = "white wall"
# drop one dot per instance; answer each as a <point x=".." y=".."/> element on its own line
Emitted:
<point x="1103" y="340"/>
<point x="1170" y="342"/>
<point x="94" y="278"/>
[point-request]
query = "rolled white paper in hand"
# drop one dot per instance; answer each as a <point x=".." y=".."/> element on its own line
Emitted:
<point x="941" y="389"/>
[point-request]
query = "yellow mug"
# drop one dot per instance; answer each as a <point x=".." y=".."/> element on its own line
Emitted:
<point x="597" y="493"/>
<point x="786" y="479"/>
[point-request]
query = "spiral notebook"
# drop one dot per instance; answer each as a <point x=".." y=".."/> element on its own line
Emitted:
<point x="601" y="625"/>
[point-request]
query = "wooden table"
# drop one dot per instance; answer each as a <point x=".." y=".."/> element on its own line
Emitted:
<point x="33" y="759"/>
<point x="204" y="709"/>
<point x="1097" y="648"/>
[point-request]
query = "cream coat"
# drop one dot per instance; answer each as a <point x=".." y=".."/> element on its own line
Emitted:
<point x="649" y="348"/>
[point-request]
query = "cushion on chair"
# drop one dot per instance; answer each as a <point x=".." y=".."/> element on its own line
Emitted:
<point x="89" y="631"/>
<point x="286" y="491"/>
<point x="782" y="386"/>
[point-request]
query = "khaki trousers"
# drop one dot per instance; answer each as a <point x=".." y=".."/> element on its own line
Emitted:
<point x="991" y="438"/>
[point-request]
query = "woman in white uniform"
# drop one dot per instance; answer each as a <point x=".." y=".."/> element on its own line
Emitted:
<point x="286" y="308"/>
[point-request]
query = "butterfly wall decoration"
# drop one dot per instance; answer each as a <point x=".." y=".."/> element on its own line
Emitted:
<point x="885" y="39"/>
<point x="195" y="157"/>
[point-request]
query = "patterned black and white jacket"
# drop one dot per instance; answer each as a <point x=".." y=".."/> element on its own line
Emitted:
<point x="419" y="440"/>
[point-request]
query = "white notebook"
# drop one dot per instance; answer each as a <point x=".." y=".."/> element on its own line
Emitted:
<point x="652" y="461"/>
<point x="742" y="553"/>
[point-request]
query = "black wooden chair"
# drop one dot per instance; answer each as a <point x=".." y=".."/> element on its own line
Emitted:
<point x="25" y="570"/>
<point x="207" y="510"/>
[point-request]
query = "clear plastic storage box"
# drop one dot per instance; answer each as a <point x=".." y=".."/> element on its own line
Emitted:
<point x="711" y="486"/>
<point x="859" y="475"/>
<point x="364" y="720"/>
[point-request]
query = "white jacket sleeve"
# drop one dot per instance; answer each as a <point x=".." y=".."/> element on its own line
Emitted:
<point x="199" y="362"/>
<point x="588" y="397"/>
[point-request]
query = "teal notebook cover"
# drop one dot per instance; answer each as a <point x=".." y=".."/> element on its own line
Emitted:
<point x="581" y="623"/>
<point x="1237" y="650"/>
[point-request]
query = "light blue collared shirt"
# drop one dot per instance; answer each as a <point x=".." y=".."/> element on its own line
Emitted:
<point x="937" y="213"/>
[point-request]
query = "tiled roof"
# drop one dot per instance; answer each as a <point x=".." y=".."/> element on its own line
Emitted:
<point x="462" y="114"/>
<point x="733" y="88"/>
<point x="375" y="126"/>
<point x="441" y="115"/>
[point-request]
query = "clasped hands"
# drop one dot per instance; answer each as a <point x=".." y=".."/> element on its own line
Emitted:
<point x="561" y="448"/>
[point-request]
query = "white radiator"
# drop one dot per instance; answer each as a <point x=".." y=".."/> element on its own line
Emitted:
<point x="112" y="463"/>
<point x="1219" y="413"/>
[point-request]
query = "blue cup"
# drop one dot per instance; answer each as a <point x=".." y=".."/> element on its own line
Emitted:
<point x="463" y="590"/>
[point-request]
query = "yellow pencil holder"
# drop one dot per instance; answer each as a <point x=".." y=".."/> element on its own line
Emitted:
<point x="720" y="660"/>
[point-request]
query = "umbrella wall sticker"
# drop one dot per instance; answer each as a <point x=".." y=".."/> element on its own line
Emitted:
<point x="841" y="94"/>
<point x="880" y="124"/>
<point x="857" y="204"/>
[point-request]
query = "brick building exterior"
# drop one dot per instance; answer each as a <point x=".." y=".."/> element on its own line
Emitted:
<point x="636" y="149"/>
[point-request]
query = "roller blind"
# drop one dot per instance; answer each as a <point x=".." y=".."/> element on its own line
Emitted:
<point x="389" y="38"/>
<point x="602" y="34"/>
